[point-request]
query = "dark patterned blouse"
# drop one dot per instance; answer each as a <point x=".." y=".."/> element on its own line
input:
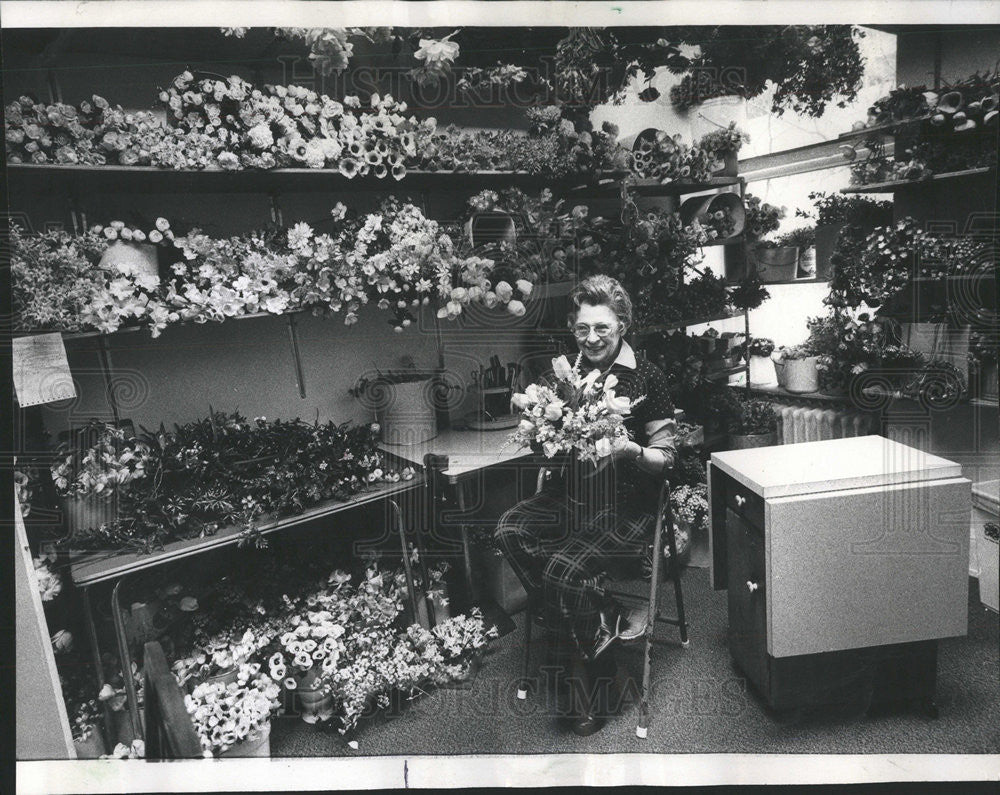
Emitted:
<point x="651" y="424"/>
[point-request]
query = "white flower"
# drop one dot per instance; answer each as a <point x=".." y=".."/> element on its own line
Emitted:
<point x="603" y="447"/>
<point x="610" y="382"/>
<point x="520" y="400"/>
<point x="434" y="51"/>
<point x="562" y="369"/>
<point x="524" y="286"/>
<point x="516" y="308"/>
<point x="588" y="381"/>
<point x="619" y="405"/>
<point x="62" y="641"/>
<point x="504" y="291"/>
<point x="554" y="410"/>
<point x="526" y="426"/>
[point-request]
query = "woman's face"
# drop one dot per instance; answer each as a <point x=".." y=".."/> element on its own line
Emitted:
<point x="598" y="331"/>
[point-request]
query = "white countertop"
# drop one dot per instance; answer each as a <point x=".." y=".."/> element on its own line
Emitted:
<point x="831" y="465"/>
<point x="467" y="451"/>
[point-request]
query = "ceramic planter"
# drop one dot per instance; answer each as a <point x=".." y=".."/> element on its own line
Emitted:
<point x="408" y="416"/>
<point x="729" y="166"/>
<point x="314" y="704"/>
<point x="762" y="371"/>
<point x="806" y="268"/>
<point x="779" y="369"/>
<point x="744" y="441"/>
<point x="801" y="375"/>
<point x="777" y="264"/>
<point x="256" y="744"/>
<point x="826" y="243"/>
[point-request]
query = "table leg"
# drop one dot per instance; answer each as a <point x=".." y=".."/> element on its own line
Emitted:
<point x="493" y="614"/>
<point x="125" y="658"/>
<point x="95" y="650"/>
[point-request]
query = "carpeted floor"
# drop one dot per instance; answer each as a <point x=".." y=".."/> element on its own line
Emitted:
<point x="701" y="703"/>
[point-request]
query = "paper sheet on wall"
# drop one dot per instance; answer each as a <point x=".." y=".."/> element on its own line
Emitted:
<point x="41" y="370"/>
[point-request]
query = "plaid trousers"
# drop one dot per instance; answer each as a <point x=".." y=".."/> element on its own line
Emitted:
<point x="564" y="552"/>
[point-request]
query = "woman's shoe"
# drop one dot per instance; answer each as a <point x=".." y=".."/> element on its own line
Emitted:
<point x="616" y="626"/>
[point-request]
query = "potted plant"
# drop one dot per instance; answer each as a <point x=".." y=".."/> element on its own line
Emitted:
<point x="234" y="720"/>
<point x="755" y="424"/>
<point x="811" y="66"/>
<point x="832" y="212"/>
<point x="92" y="476"/>
<point x="761" y="220"/>
<point x="796" y="369"/>
<point x="761" y="367"/>
<point x="724" y="143"/>
<point x="775" y="262"/>
<point x="690" y="508"/>
<point x="803" y="239"/>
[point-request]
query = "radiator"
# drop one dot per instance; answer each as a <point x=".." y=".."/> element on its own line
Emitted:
<point x="801" y="424"/>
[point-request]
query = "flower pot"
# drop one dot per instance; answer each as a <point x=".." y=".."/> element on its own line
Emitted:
<point x="780" y="373"/>
<point x="132" y="259"/>
<point x="491" y="227"/>
<point x="89" y="512"/>
<point x="777" y="264"/>
<point x="314" y="704"/>
<point x="826" y="243"/>
<point x="92" y="747"/>
<point x="801" y="375"/>
<point x="729" y="167"/>
<point x="256" y="744"/>
<point x="806" y="268"/>
<point x="717" y="112"/>
<point x="744" y="441"/>
<point x="762" y="371"/>
<point x="408" y="415"/>
<point x="501" y="582"/>
<point x="700" y="207"/>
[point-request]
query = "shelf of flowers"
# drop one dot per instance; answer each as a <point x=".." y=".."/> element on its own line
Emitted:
<point x="144" y="500"/>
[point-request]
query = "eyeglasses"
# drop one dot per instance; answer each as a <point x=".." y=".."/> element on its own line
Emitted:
<point x="582" y="330"/>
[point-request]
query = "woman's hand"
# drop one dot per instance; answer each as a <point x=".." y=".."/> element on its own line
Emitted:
<point x="625" y="449"/>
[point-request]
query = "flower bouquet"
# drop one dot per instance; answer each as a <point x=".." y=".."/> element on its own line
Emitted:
<point x="572" y="414"/>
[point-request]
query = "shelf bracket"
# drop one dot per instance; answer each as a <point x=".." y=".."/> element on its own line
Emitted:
<point x="104" y="356"/>
<point x="293" y="336"/>
<point x="276" y="216"/>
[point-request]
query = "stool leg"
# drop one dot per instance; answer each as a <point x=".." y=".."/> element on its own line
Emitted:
<point x="523" y="685"/>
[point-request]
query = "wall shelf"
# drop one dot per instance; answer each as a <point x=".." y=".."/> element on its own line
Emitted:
<point x="890" y="187"/>
<point x="289" y="180"/>
<point x="91" y="568"/>
<point x="695" y="321"/>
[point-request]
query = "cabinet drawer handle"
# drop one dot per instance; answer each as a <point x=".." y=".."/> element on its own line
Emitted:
<point x="752" y="586"/>
<point x="741" y="500"/>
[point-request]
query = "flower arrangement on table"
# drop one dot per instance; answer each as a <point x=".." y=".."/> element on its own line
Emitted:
<point x="571" y="414"/>
<point x="227" y="714"/>
<point x="227" y="470"/>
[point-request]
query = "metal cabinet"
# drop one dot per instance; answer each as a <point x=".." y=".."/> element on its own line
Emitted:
<point x="845" y="561"/>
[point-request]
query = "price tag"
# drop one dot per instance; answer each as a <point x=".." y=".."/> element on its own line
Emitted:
<point x="41" y="370"/>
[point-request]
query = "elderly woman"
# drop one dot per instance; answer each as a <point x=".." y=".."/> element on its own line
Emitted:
<point x="565" y="541"/>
